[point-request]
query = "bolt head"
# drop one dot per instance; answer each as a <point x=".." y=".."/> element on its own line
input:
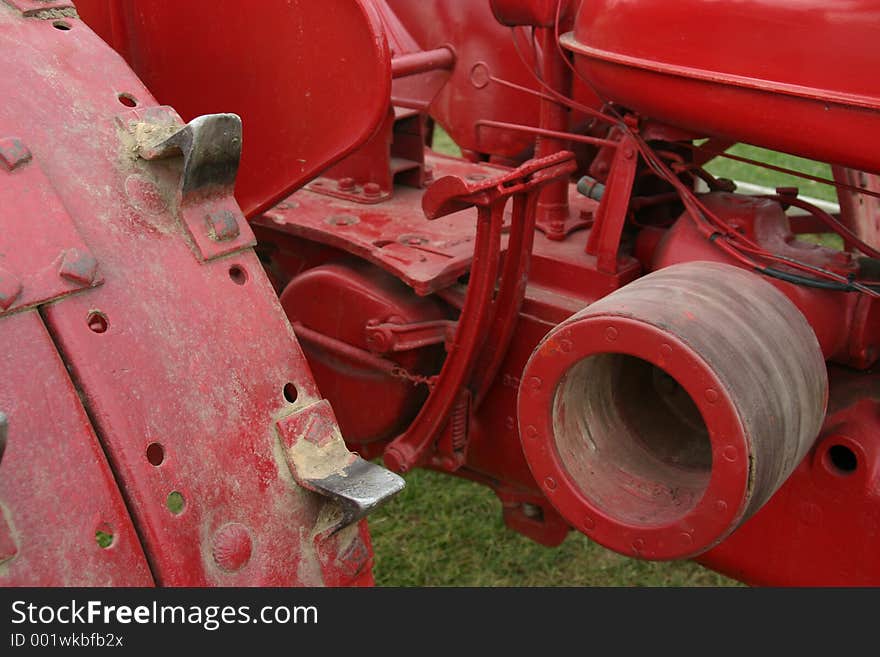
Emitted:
<point x="10" y="288"/>
<point x="372" y="189"/>
<point x="78" y="267"/>
<point x="13" y="153"/>
<point x="377" y="340"/>
<point x="413" y="240"/>
<point x="223" y="225"/>
<point x="342" y="220"/>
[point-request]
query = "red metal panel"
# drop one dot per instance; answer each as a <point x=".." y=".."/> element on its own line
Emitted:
<point x="56" y="488"/>
<point x="394" y="234"/>
<point x="772" y="40"/>
<point x="44" y="257"/>
<point x="303" y="106"/>
<point x="822" y="527"/>
<point x="184" y="365"/>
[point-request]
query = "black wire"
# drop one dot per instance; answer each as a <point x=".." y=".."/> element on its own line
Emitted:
<point x="806" y="281"/>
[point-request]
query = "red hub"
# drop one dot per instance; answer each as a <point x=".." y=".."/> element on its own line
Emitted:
<point x="661" y="417"/>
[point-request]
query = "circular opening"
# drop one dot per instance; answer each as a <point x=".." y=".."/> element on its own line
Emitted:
<point x="98" y="322"/>
<point x="175" y="502"/>
<point x="238" y="275"/>
<point x="843" y="459"/>
<point x="104" y="537"/>
<point x="128" y="100"/>
<point x="632" y="439"/>
<point x="155" y="454"/>
<point x="64" y="26"/>
<point x="290" y="393"/>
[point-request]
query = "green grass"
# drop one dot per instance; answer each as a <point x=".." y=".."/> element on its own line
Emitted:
<point x="748" y="173"/>
<point x="444" y="531"/>
<point x="443" y="143"/>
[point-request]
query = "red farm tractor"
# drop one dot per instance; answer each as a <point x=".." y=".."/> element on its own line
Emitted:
<point x="234" y="274"/>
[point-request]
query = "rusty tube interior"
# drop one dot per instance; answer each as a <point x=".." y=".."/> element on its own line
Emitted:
<point x="635" y="435"/>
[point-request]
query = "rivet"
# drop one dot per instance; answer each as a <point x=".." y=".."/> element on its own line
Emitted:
<point x="711" y="395"/>
<point x="729" y="453"/>
<point x="232" y="547"/>
<point x="345" y="184"/>
<point x="565" y="345"/>
<point x="611" y="334"/>
<point x="638" y="545"/>
<point x="223" y="225"/>
<point x="10" y="288"/>
<point x="355" y="558"/>
<point x="720" y="506"/>
<point x="372" y="189"/>
<point x="78" y="267"/>
<point x="413" y="240"/>
<point x="531" y="432"/>
<point x="342" y="220"/>
<point x="535" y="383"/>
<point x="665" y="351"/>
<point x="13" y="153"/>
<point x="550" y="483"/>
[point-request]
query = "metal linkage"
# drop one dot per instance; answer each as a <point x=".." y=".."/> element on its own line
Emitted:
<point x="391" y="336"/>
<point x="487" y="319"/>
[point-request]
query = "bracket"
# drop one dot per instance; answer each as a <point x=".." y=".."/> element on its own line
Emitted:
<point x="320" y="462"/>
<point x="210" y="146"/>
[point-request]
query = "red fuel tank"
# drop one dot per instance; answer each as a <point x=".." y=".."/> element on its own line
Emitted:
<point x="792" y="75"/>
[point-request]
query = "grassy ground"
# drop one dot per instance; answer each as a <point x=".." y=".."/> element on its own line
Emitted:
<point x="748" y="173"/>
<point x="442" y="531"/>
